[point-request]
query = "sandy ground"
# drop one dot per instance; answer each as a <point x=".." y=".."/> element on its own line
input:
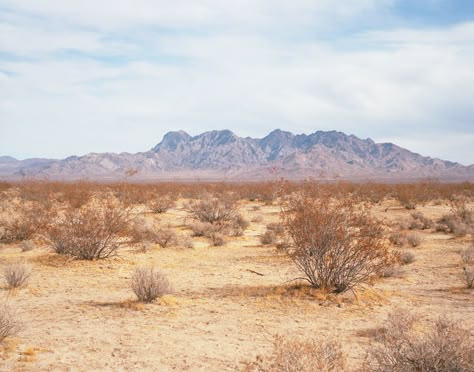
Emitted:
<point x="81" y="316"/>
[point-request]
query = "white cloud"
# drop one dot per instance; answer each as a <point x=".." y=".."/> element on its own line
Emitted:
<point x="397" y="84"/>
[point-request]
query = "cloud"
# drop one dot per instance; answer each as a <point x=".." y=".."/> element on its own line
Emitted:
<point x="84" y="84"/>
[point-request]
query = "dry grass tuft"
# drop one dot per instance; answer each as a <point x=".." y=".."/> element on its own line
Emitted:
<point x="9" y="323"/>
<point x="148" y="283"/>
<point x="17" y="274"/>
<point x="414" y="239"/>
<point x="443" y="346"/>
<point x="295" y="355"/>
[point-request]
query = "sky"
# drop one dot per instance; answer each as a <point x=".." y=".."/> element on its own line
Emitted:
<point x="113" y="76"/>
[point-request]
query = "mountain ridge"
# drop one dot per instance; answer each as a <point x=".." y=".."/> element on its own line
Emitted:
<point x="222" y="155"/>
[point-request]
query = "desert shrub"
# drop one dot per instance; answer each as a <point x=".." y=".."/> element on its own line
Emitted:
<point x="36" y="191"/>
<point x="161" y="203"/>
<point x="460" y="209"/>
<point x="273" y="234"/>
<point x="149" y="283"/>
<point x="27" y="219"/>
<point x="142" y="230"/>
<point x="414" y="239"/>
<point x="186" y="241"/>
<point x="467" y="257"/>
<point x="406" y="196"/>
<point x="92" y="232"/>
<point x="444" y="346"/>
<point x="397" y="238"/>
<point x="17" y="274"/>
<point x="300" y="356"/>
<point x="392" y="271"/>
<point x="406" y="257"/>
<point x="460" y="221"/>
<point x="76" y="194"/>
<point x="165" y="237"/>
<point x="27" y="245"/>
<point x="234" y="226"/>
<point x="213" y="209"/>
<point x="268" y="237"/>
<point x="468" y="276"/>
<point x="420" y="222"/>
<point x="9" y="323"/>
<point x="467" y="254"/>
<point x="203" y="229"/>
<point x="240" y="222"/>
<point x="217" y="239"/>
<point x="453" y="224"/>
<point x="335" y="243"/>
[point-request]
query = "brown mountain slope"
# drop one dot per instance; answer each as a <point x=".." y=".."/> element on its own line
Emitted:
<point x="222" y="155"/>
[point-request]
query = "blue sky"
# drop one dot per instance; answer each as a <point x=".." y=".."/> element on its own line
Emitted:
<point x="96" y="76"/>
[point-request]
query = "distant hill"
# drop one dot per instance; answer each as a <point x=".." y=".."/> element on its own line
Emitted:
<point x="222" y="155"/>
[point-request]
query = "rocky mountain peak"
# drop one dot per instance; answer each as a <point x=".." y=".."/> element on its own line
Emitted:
<point x="218" y="137"/>
<point x="171" y="140"/>
<point x="221" y="154"/>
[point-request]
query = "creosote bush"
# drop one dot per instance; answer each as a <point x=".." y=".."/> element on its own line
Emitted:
<point x="461" y="219"/>
<point x="148" y="283"/>
<point x="468" y="276"/>
<point x="166" y="237"/>
<point x="414" y="239"/>
<point x="406" y="257"/>
<point x="203" y="229"/>
<point x="403" y="347"/>
<point x="9" y="323"/>
<point x="92" y="232"/>
<point x="336" y="243"/>
<point x="420" y="222"/>
<point x="26" y="220"/>
<point x="274" y="234"/>
<point x="213" y="209"/>
<point x="217" y="239"/>
<point x="27" y="246"/>
<point x="467" y="254"/>
<point x="398" y="238"/>
<point x="467" y="257"/>
<point x="293" y="355"/>
<point x="17" y="274"/>
<point x="161" y="203"/>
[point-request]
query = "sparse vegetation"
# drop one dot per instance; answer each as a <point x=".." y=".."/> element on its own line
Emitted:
<point x="406" y="257"/>
<point x="27" y="245"/>
<point x="398" y="238"/>
<point x="219" y="286"/>
<point x="92" y="232"/>
<point x="420" y="222"/>
<point x="414" y="239"/>
<point x="335" y="243"/>
<point x="10" y="325"/>
<point x="294" y="355"/>
<point x="467" y="254"/>
<point x="217" y="239"/>
<point x="469" y="276"/>
<point x="165" y="237"/>
<point x="461" y="219"/>
<point x="213" y="209"/>
<point x="149" y="283"/>
<point x="28" y="219"/>
<point x="17" y="274"/>
<point x="444" y="346"/>
<point x="161" y="203"/>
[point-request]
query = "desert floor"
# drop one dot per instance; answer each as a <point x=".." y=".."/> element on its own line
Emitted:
<point x="228" y="302"/>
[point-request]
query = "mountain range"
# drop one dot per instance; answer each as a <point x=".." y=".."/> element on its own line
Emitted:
<point x="224" y="156"/>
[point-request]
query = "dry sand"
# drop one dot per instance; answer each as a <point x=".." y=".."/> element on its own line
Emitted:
<point x="82" y="316"/>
